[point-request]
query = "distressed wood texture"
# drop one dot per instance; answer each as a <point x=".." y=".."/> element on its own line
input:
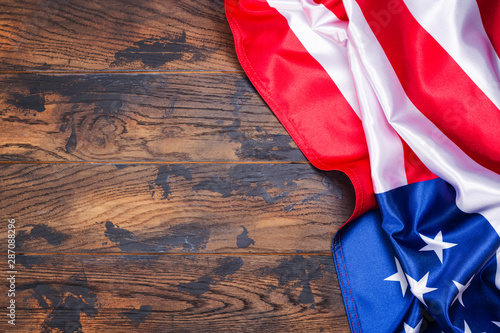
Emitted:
<point x="115" y="35"/>
<point x="153" y="189"/>
<point x="174" y="207"/>
<point x="140" y="117"/>
<point x="162" y="293"/>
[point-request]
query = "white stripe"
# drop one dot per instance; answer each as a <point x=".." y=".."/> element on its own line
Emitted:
<point x="458" y="28"/>
<point x="478" y="189"/>
<point x="384" y="145"/>
<point x="324" y="36"/>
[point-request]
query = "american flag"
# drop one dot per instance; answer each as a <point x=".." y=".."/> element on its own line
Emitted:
<point x="404" y="97"/>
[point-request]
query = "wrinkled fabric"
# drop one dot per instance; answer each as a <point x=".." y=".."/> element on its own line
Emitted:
<point x="404" y="97"/>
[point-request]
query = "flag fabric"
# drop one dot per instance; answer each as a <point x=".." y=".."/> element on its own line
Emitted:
<point x="404" y="97"/>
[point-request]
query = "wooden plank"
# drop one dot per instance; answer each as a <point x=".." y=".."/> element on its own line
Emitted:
<point x="115" y="35"/>
<point x="177" y="294"/>
<point x="210" y="208"/>
<point x="98" y="117"/>
<point x="173" y="207"/>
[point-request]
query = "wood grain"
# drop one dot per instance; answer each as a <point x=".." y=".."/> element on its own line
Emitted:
<point x="177" y="294"/>
<point x="258" y="208"/>
<point x="153" y="189"/>
<point x="138" y="117"/>
<point x="115" y="35"/>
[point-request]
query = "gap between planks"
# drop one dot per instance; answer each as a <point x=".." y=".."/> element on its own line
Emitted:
<point x="222" y="254"/>
<point x="83" y="72"/>
<point x="154" y="162"/>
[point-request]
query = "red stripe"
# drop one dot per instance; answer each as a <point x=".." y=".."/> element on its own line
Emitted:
<point x="490" y="15"/>
<point x="415" y="170"/>
<point x="336" y="7"/>
<point x="435" y="83"/>
<point x="300" y="92"/>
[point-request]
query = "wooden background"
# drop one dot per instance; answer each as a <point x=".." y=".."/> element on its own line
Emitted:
<point x="153" y="190"/>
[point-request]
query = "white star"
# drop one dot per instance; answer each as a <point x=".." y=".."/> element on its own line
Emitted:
<point x="496" y="323"/>
<point x="419" y="288"/>
<point x="466" y="328"/>
<point x="399" y="277"/>
<point x="437" y="245"/>
<point x="409" y="329"/>
<point x="461" y="288"/>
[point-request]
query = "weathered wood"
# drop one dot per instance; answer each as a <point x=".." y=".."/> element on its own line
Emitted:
<point x="173" y="239"/>
<point x="115" y="35"/>
<point x="96" y="117"/>
<point x="258" y="208"/>
<point x="177" y="294"/>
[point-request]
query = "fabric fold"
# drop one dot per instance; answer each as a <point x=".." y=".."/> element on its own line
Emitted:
<point x="410" y="112"/>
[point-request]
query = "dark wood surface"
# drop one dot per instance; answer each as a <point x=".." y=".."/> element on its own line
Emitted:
<point x="188" y="293"/>
<point x="138" y="117"/>
<point x="115" y="35"/>
<point x="153" y="190"/>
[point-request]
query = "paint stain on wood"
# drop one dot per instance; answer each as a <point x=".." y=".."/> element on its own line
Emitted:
<point x="100" y="93"/>
<point x="332" y="188"/>
<point x="259" y="145"/>
<point x="138" y="316"/>
<point x="32" y="101"/>
<point x="267" y="182"/>
<point x="242" y="240"/>
<point x="244" y="91"/>
<point x="123" y="166"/>
<point x="225" y="268"/>
<point x="298" y="272"/>
<point x="96" y="109"/>
<point x="30" y="261"/>
<point x="330" y="183"/>
<point x="190" y="237"/>
<point x="28" y="103"/>
<point x="72" y="141"/>
<point x="268" y="146"/>
<point x="199" y="287"/>
<point x="163" y="175"/>
<point x="65" y="303"/>
<point x="171" y="108"/>
<point x="155" y="52"/>
<point x="51" y="235"/>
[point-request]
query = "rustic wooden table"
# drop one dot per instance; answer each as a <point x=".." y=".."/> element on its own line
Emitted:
<point x="152" y="188"/>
